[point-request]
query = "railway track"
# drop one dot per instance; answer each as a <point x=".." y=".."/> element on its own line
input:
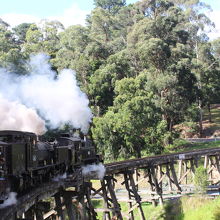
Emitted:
<point x="112" y="168"/>
<point x="46" y="190"/>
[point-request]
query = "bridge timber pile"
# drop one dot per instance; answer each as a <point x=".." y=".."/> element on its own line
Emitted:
<point x="73" y="196"/>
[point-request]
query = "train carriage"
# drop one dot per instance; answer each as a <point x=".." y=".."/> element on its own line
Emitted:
<point x="27" y="162"/>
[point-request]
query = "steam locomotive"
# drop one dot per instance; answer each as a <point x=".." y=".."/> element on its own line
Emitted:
<point x="25" y="161"/>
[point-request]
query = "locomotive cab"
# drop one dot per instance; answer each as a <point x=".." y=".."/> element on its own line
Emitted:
<point x="88" y="152"/>
<point x="67" y="149"/>
<point x="17" y="154"/>
<point x="80" y="151"/>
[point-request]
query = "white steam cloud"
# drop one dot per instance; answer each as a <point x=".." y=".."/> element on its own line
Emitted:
<point x="15" y="116"/>
<point x="11" y="200"/>
<point x="57" y="99"/>
<point x="60" y="177"/>
<point x="94" y="171"/>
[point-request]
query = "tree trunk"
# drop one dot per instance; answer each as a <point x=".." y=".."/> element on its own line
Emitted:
<point x="210" y="115"/>
<point x="138" y="150"/>
<point x="200" y="118"/>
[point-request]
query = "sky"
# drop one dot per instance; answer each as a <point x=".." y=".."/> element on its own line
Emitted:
<point x="69" y="12"/>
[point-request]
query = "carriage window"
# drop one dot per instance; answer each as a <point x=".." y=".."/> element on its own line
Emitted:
<point x="17" y="138"/>
<point x="6" y="138"/>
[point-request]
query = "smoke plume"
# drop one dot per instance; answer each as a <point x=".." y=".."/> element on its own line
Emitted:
<point x="56" y="98"/>
<point x="15" y="116"/>
<point x="94" y="171"/>
<point x="11" y="200"/>
<point x="59" y="177"/>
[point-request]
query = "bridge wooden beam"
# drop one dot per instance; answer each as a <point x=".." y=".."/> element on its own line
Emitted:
<point x="116" y="205"/>
<point x="90" y="209"/>
<point x="59" y="206"/>
<point x="71" y="209"/>
<point x="175" y="180"/>
<point x="133" y="193"/>
<point x="107" y="205"/>
<point x="130" y="202"/>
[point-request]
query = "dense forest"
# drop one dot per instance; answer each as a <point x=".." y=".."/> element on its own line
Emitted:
<point x="145" y="67"/>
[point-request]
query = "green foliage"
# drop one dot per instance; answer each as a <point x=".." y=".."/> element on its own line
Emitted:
<point x="200" y="207"/>
<point x="216" y="213"/>
<point x="20" y="32"/>
<point x="201" y="179"/>
<point x="133" y="123"/>
<point x="173" y="210"/>
<point x="145" y="68"/>
<point x="192" y="113"/>
<point x="186" y="208"/>
<point x="150" y="212"/>
<point x="188" y="129"/>
<point x="111" y="5"/>
<point x="177" y="145"/>
<point x="163" y="50"/>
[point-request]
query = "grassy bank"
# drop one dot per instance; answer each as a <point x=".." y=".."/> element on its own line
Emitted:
<point x="199" y="208"/>
<point x="184" y="145"/>
<point x="187" y="208"/>
<point x="150" y="211"/>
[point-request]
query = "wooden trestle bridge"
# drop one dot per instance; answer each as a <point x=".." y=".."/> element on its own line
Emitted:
<point x="72" y="198"/>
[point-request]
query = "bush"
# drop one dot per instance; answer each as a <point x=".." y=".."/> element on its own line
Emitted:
<point x="216" y="213"/>
<point x="201" y="179"/>
<point x="192" y="113"/>
<point x="188" y="129"/>
<point x="178" y="144"/>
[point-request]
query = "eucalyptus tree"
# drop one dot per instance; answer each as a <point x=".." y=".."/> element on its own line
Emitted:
<point x="216" y="48"/>
<point x="50" y="31"/>
<point x="107" y="53"/>
<point x="163" y="50"/>
<point x="102" y="81"/>
<point x="197" y="25"/>
<point x="112" y="6"/>
<point x="43" y="38"/>
<point x="208" y="71"/>
<point x="133" y="125"/>
<point x="72" y="53"/>
<point x="10" y="51"/>
<point x="20" y="32"/>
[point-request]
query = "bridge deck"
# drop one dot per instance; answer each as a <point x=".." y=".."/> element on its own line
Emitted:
<point x="157" y="167"/>
<point x="112" y="168"/>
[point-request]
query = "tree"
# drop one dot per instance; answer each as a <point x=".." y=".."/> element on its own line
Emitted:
<point x="111" y="6"/>
<point x="10" y="54"/>
<point x="201" y="179"/>
<point x="207" y="69"/>
<point x="196" y="25"/>
<point x="100" y="88"/>
<point x="161" y="41"/>
<point x="34" y="41"/>
<point x="102" y="82"/>
<point x="72" y="53"/>
<point x="43" y="39"/>
<point x="216" y="47"/>
<point x="133" y="124"/>
<point x="20" y="32"/>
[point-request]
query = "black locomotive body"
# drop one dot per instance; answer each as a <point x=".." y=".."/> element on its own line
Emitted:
<point x="26" y="162"/>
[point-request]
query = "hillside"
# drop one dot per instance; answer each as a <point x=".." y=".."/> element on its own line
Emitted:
<point x="212" y="129"/>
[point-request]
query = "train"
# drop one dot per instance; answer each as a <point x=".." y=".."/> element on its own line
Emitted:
<point x="26" y="161"/>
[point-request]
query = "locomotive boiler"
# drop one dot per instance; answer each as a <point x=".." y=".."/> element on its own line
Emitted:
<point x="27" y="162"/>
